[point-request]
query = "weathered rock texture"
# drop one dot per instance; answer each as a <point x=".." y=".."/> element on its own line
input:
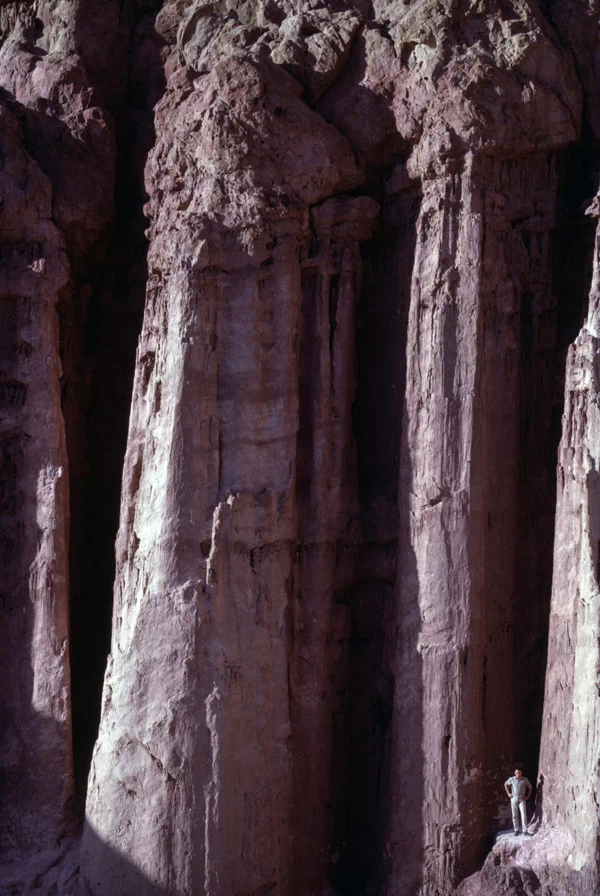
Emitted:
<point x="571" y="731"/>
<point x="34" y="510"/>
<point x="366" y="258"/>
<point x="563" y="857"/>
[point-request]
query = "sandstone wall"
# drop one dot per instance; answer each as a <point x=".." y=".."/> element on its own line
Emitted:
<point x="569" y="756"/>
<point x="365" y="259"/>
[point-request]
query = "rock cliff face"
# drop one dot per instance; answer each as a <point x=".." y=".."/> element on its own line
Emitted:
<point x="331" y="261"/>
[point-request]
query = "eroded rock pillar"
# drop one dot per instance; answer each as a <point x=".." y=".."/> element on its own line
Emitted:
<point x="35" y="724"/>
<point x="571" y="728"/>
<point x="212" y="766"/>
<point x="482" y="253"/>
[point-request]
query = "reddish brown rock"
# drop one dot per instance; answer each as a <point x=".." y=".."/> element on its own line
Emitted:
<point x="575" y="21"/>
<point x="562" y="856"/>
<point x="571" y="731"/>
<point x="222" y="445"/>
<point x="482" y="242"/>
<point x="333" y="561"/>
<point x="47" y="86"/>
<point x="455" y="77"/>
<point x="461" y="466"/>
<point x="35" y="730"/>
<point x="55" y="222"/>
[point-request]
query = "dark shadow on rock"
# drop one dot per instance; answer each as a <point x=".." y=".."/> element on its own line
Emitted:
<point x="362" y="690"/>
<point x="97" y="415"/>
<point x="59" y="871"/>
<point x="35" y="760"/>
<point x="538" y="807"/>
<point x="102" y="863"/>
<point x="542" y="402"/>
<point x="385" y="742"/>
<point x="364" y="117"/>
<point x="100" y="316"/>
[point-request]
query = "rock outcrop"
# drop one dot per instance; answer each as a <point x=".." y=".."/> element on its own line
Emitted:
<point x="366" y="258"/>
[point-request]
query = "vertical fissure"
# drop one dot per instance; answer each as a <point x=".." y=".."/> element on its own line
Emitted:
<point x="366" y="701"/>
<point x="99" y="338"/>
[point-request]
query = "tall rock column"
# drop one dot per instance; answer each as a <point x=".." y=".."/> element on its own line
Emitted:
<point x="35" y="730"/>
<point x="481" y="255"/>
<point x="571" y="730"/>
<point x="216" y="692"/>
<point x="54" y="80"/>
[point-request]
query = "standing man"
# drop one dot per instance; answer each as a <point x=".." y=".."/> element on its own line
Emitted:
<point x="518" y="789"/>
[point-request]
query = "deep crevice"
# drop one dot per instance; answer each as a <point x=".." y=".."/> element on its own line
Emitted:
<point x="106" y="306"/>
<point x="363" y="732"/>
<point x="380" y="345"/>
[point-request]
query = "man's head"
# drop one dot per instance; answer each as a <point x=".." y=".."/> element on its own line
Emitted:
<point x="518" y="772"/>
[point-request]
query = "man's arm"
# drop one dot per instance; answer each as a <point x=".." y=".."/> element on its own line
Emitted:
<point x="508" y="792"/>
<point x="529" y="789"/>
